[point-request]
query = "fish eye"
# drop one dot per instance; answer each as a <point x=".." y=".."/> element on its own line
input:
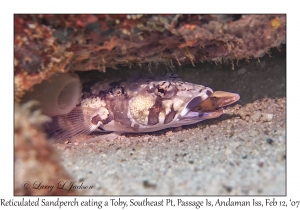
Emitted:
<point x="116" y="91"/>
<point x="165" y="89"/>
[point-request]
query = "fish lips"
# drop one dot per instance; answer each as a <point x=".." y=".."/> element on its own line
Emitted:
<point x="201" y="108"/>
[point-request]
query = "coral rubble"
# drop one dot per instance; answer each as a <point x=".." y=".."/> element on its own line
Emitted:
<point x="36" y="162"/>
<point x="45" y="44"/>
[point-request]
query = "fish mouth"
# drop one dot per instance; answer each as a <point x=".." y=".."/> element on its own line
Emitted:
<point x="211" y="107"/>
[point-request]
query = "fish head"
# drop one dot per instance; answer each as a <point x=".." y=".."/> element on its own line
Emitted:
<point x="157" y="105"/>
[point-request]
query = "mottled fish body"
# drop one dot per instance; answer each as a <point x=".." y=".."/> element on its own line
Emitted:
<point x="140" y="105"/>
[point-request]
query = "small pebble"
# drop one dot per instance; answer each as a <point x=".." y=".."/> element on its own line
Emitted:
<point x="256" y="116"/>
<point x="269" y="141"/>
<point x="261" y="164"/>
<point x="169" y="133"/>
<point x="268" y="117"/>
<point x="148" y="184"/>
<point x="253" y="133"/>
<point x="241" y="71"/>
<point x="227" y="188"/>
<point x="247" y="118"/>
<point x="243" y="113"/>
<point x="228" y="152"/>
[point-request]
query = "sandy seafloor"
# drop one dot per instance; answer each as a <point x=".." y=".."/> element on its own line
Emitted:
<point x="242" y="152"/>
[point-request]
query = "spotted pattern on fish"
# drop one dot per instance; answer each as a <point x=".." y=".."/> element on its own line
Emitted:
<point x="140" y="105"/>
